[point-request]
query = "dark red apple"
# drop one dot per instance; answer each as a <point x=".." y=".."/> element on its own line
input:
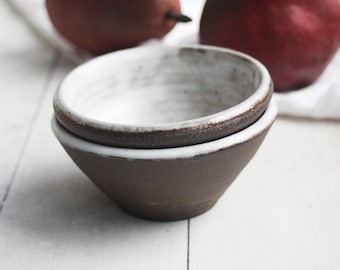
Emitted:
<point x="101" y="26"/>
<point x="295" y="39"/>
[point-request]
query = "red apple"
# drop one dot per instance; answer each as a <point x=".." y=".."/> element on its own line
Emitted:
<point x="107" y="25"/>
<point x="295" y="39"/>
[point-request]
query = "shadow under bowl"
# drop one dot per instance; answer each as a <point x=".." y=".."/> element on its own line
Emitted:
<point x="161" y="96"/>
<point x="170" y="183"/>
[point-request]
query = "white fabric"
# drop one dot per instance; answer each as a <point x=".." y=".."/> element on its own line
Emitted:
<point x="319" y="100"/>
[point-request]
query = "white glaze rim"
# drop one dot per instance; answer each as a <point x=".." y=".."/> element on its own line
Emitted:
<point x="72" y="141"/>
<point x="259" y="96"/>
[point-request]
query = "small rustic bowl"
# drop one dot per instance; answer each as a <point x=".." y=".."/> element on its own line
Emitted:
<point x="170" y="183"/>
<point x="155" y="97"/>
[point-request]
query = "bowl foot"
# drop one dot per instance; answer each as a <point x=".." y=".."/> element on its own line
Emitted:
<point x="159" y="212"/>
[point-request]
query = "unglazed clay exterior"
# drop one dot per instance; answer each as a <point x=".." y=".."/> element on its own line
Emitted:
<point x="170" y="183"/>
<point x="154" y="97"/>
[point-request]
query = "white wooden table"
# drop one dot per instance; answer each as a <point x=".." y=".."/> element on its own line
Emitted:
<point x="283" y="212"/>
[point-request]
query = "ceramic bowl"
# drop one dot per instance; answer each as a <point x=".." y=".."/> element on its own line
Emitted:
<point x="169" y="183"/>
<point x="155" y="97"/>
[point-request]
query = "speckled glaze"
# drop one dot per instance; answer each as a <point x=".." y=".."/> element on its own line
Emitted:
<point x="170" y="183"/>
<point x="161" y="96"/>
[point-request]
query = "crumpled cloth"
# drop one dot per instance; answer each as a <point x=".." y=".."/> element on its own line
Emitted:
<point x="320" y="100"/>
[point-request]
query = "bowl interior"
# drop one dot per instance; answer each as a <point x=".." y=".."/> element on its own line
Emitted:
<point x="156" y="86"/>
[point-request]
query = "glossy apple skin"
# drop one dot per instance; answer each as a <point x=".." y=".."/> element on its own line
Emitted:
<point x="108" y="25"/>
<point x="295" y="39"/>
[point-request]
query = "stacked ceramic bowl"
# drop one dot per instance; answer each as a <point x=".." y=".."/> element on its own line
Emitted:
<point x="164" y="130"/>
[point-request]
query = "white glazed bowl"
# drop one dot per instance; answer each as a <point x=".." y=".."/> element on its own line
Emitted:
<point x="168" y="183"/>
<point x="160" y="96"/>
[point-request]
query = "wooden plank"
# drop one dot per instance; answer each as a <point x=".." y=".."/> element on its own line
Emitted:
<point x="283" y="210"/>
<point x="55" y="218"/>
<point x="24" y="67"/>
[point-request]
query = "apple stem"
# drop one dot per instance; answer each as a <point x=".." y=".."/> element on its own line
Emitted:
<point x="178" y="17"/>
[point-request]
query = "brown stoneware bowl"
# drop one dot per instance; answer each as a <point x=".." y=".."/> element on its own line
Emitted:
<point x="162" y="96"/>
<point x="169" y="183"/>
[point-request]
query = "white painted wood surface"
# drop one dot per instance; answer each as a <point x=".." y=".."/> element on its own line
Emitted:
<point x="283" y="212"/>
<point x="24" y="71"/>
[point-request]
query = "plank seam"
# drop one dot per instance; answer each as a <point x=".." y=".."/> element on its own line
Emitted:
<point x="49" y="75"/>
<point x="188" y="246"/>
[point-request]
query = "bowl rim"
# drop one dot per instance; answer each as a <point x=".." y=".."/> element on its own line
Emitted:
<point x="263" y="91"/>
<point x="75" y="142"/>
